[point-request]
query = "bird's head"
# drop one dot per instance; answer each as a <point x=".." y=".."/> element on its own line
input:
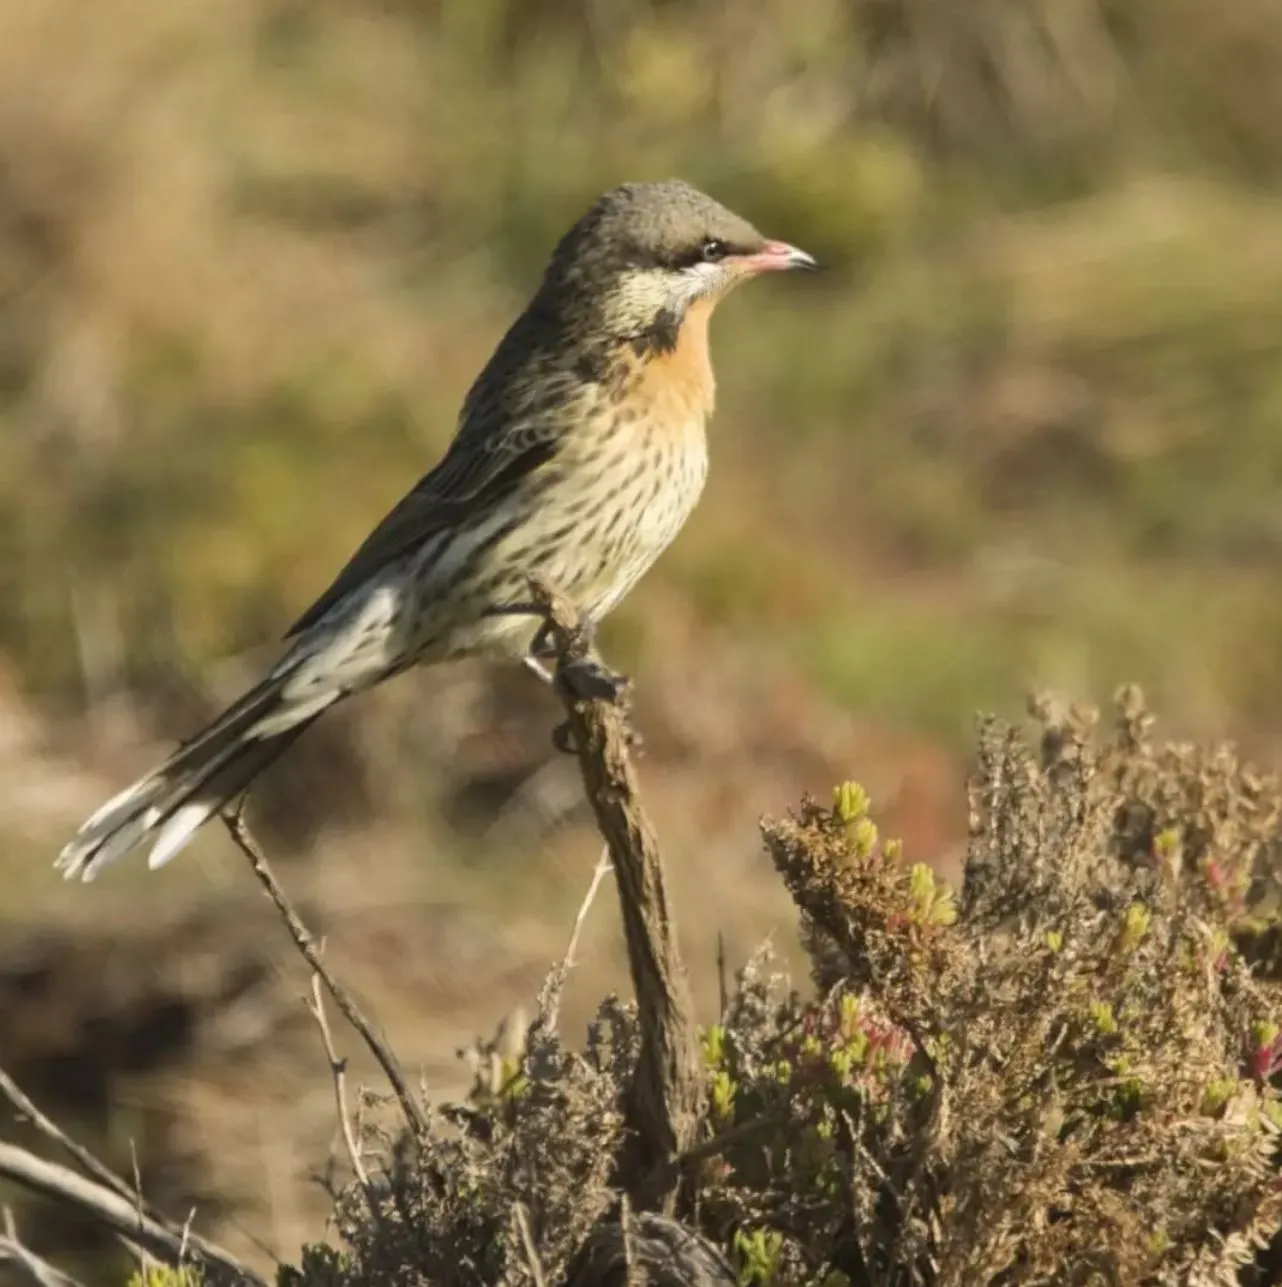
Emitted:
<point x="645" y="253"/>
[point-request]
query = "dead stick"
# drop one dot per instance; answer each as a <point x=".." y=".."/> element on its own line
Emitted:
<point x="173" y="1246"/>
<point x="36" y="1271"/>
<point x="665" y="1093"/>
<point x="338" y="1074"/>
<point x="531" y="1251"/>
<point x="306" y="944"/>
<point x="554" y="986"/>
<point x="52" y="1131"/>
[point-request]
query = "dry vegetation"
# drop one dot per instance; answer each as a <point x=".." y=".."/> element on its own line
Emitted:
<point x="1066" y="1072"/>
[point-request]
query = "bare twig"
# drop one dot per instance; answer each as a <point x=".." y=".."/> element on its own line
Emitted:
<point x="550" y="1001"/>
<point x="33" y="1268"/>
<point x="144" y="1260"/>
<point x="139" y="1201"/>
<point x="186" y="1232"/>
<point x="625" y="1238"/>
<point x="338" y="1071"/>
<point x="78" y="1153"/>
<point x="663" y="1100"/>
<point x="306" y="944"/>
<point x="52" y="1131"/>
<point x="527" y="1245"/>
<point x="118" y="1213"/>
<point x="599" y="872"/>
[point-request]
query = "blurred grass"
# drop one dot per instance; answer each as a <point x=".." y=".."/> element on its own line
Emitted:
<point x="1027" y="428"/>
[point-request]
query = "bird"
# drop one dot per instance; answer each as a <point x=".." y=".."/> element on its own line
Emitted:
<point x="578" y="455"/>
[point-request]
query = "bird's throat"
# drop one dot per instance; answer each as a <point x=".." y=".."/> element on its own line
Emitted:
<point x="678" y="371"/>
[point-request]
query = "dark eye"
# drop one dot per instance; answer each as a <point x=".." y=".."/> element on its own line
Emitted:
<point x="713" y="250"/>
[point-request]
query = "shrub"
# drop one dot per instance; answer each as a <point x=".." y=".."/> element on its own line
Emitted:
<point x="1063" y="1073"/>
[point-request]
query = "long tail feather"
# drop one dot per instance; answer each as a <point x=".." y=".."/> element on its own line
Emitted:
<point x="170" y="804"/>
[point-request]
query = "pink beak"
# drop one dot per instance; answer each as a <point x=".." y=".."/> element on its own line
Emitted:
<point x="778" y="256"/>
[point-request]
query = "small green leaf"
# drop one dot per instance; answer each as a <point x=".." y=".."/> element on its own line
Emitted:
<point x="714" y="1045"/>
<point x="1102" y="1017"/>
<point x="1134" y="927"/>
<point x="850" y="802"/>
<point x="721" y="1091"/>
<point x="1218" y="1092"/>
<point x="863" y="837"/>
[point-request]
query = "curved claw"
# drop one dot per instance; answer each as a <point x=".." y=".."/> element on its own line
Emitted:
<point x="542" y="647"/>
<point x="563" y="738"/>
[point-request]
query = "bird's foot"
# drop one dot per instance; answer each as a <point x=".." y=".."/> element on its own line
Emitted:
<point x="590" y="679"/>
<point x="586" y="676"/>
<point x="542" y="647"/>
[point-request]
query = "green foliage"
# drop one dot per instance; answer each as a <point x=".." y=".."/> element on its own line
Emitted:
<point x="319" y="1266"/>
<point x="164" y="1276"/>
<point x="757" y="1255"/>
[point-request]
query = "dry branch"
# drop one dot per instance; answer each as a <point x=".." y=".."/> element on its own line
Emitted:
<point x="664" y="1096"/>
<point x="52" y="1131"/>
<point x="307" y="945"/>
<point x="32" y="1268"/>
<point x="168" y="1242"/>
<point x="527" y="1245"/>
<point x="550" y="998"/>
<point x="338" y="1074"/>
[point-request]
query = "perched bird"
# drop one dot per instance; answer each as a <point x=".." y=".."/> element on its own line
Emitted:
<point x="578" y="456"/>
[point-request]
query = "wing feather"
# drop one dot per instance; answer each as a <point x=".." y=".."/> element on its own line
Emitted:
<point x="471" y="477"/>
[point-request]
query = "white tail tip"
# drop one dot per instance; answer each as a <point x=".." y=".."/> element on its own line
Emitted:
<point x="177" y="833"/>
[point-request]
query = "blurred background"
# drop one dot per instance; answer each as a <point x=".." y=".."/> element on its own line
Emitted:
<point x="1025" y="430"/>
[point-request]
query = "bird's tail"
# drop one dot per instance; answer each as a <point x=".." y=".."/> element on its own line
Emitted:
<point x="171" y="803"/>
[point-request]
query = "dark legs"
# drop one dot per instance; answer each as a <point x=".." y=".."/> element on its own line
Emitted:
<point x="588" y="678"/>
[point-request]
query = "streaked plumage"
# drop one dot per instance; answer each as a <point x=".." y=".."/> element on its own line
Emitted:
<point x="580" y="453"/>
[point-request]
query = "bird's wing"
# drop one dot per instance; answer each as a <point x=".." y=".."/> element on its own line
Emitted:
<point x="473" y="475"/>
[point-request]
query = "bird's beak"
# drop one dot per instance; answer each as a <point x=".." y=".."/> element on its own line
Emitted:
<point x="776" y="257"/>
